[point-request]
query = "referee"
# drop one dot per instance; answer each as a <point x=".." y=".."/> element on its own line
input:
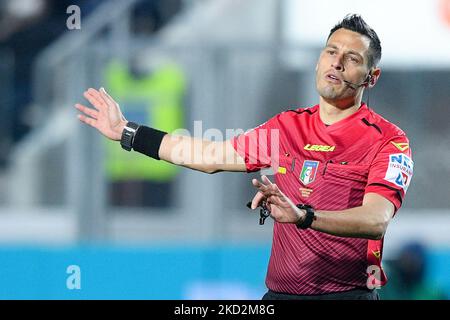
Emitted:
<point x="342" y="172"/>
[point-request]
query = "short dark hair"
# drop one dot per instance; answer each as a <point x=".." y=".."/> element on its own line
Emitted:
<point x="354" y="22"/>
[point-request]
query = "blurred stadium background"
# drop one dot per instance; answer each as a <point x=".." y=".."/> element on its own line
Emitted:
<point x="153" y="231"/>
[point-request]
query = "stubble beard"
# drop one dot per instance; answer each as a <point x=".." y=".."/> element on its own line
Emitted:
<point x="331" y="93"/>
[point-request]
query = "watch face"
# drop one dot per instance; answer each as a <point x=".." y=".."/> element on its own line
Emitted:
<point x="125" y="141"/>
<point x="127" y="135"/>
<point x="131" y="126"/>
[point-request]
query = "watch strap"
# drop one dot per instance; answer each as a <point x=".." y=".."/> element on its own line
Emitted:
<point x="307" y="222"/>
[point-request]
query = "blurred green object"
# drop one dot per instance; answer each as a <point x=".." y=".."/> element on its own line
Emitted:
<point x="154" y="99"/>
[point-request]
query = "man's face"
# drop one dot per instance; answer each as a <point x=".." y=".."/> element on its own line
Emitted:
<point x="345" y="57"/>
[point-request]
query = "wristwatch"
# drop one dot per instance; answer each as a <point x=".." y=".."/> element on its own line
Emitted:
<point x="128" y="133"/>
<point x="305" y="224"/>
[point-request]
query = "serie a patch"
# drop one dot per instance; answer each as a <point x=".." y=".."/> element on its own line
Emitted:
<point x="400" y="170"/>
<point x="309" y="171"/>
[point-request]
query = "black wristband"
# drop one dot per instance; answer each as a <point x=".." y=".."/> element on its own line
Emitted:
<point x="305" y="224"/>
<point x="147" y="141"/>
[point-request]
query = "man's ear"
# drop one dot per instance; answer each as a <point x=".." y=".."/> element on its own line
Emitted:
<point x="374" y="75"/>
<point x="317" y="66"/>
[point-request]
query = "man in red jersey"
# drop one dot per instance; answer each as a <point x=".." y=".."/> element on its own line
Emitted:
<point x="341" y="172"/>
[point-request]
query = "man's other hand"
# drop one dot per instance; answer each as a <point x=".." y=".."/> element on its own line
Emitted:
<point x="281" y="208"/>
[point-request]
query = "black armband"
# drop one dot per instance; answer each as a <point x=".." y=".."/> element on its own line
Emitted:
<point x="147" y="141"/>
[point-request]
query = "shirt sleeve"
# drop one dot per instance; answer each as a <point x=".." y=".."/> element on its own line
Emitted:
<point x="391" y="171"/>
<point x="255" y="146"/>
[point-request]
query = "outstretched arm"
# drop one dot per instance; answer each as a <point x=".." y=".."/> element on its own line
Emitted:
<point x="197" y="154"/>
<point x="368" y="221"/>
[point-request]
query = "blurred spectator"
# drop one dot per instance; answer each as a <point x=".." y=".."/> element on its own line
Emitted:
<point x="151" y="15"/>
<point x="407" y="279"/>
<point x="28" y="26"/>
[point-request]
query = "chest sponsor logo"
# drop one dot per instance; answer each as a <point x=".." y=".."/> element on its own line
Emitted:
<point x="402" y="146"/>
<point x="309" y="171"/>
<point x="320" y="148"/>
<point x="400" y="170"/>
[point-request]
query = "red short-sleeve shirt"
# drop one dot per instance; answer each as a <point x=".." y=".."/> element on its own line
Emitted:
<point x="330" y="168"/>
